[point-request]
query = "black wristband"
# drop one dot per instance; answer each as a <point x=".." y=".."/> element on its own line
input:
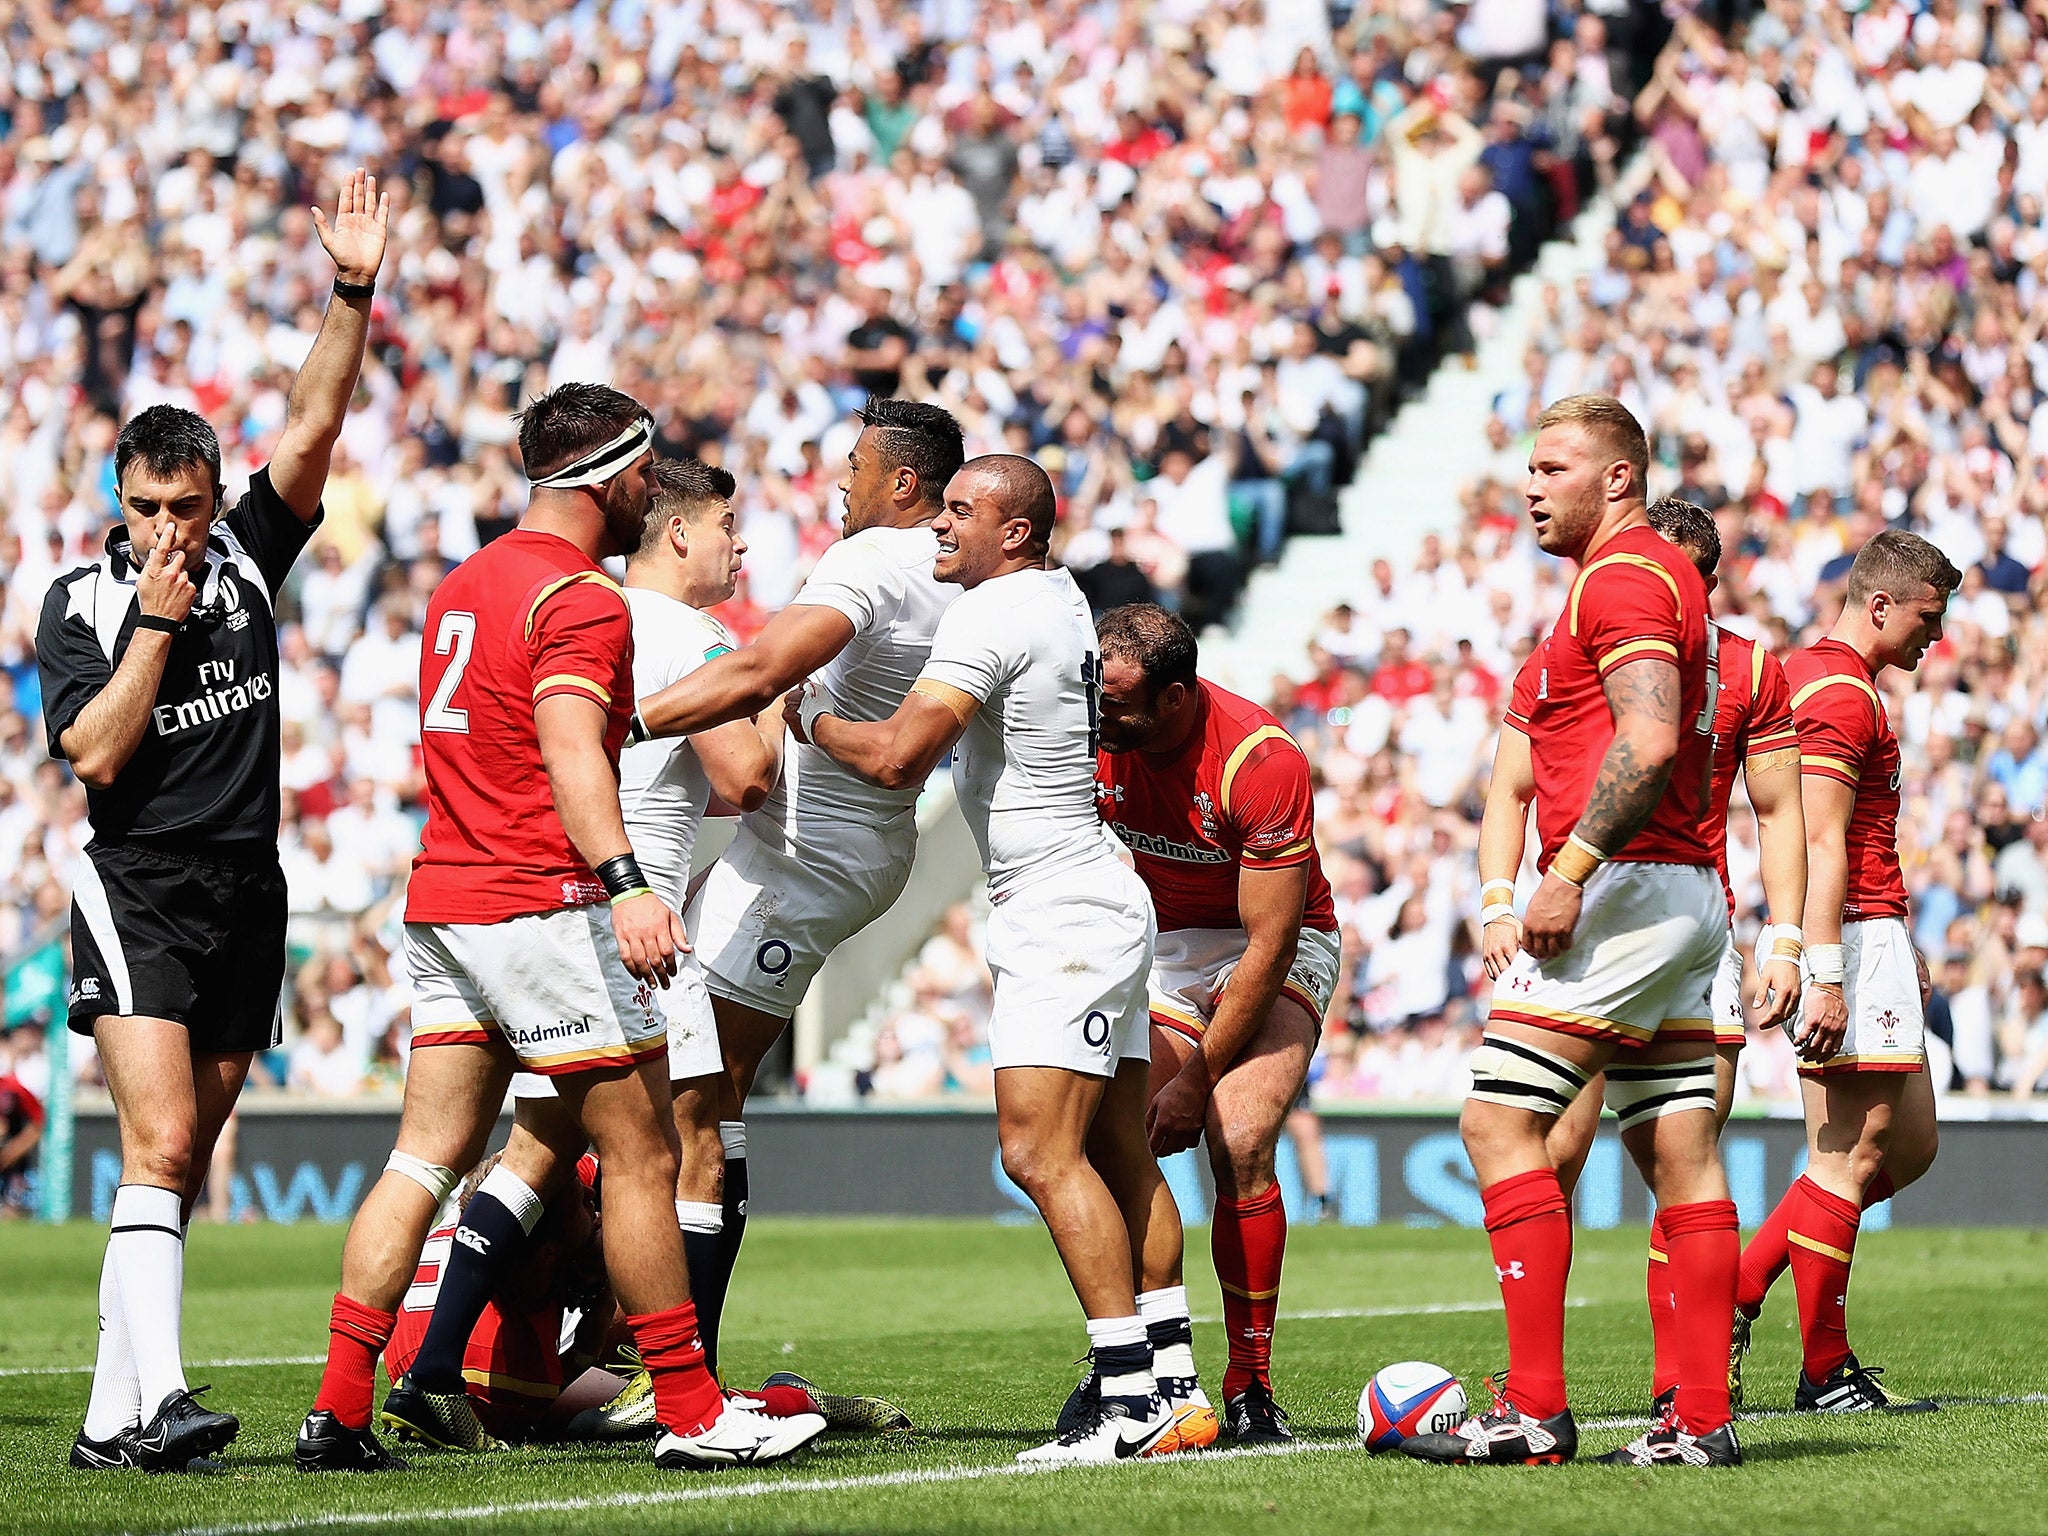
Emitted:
<point x="348" y="290"/>
<point x="621" y="876"/>
<point x="636" y="730"/>
<point x="157" y="621"/>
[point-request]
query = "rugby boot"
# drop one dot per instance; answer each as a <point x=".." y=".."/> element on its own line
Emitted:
<point x="444" y="1420"/>
<point x="327" y="1445"/>
<point x="1854" y="1388"/>
<point x="872" y="1414"/>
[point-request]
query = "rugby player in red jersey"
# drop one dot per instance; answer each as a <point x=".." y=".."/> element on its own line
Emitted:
<point x="1869" y="1105"/>
<point x="532" y="938"/>
<point x="1619" y="948"/>
<point x="1213" y="798"/>
<point x="1753" y="734"/>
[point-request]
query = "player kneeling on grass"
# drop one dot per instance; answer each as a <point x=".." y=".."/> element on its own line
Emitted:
<point x="549" y="1356"/>
<point x="1619" y="943"/>
<point x="1012" y="678"/>
<point x="532" y="937"/>
<point x="1753" y="733"/>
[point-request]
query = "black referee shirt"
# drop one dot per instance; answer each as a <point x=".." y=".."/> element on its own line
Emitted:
<point x="206" y="772"/>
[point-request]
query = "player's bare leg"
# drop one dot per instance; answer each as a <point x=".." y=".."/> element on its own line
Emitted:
<point x="1118" y="1149"/>
<point x="1529" y="1226"/>
<point x="1570" y="1141"/>
<point x="1248" y="1234"/>
<point x="1855" y="1121"/>
<point x="431" y="1403"/>
<point x="452" y="1095"/>
<point x="171" y="1108"/>
<point x="1043" y="1119"/>
<point x="745" y="1036"/>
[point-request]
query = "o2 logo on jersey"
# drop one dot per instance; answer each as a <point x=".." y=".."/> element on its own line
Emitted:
<point x="774" y="958"/>
<point x="1095" y="1030"/>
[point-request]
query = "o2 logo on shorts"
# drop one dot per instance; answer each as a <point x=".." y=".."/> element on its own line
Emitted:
<point x="1095" y="1030"/>
<point x="774" y="957"/>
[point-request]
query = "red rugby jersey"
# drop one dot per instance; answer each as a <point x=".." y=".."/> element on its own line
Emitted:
<point x="1638" y="596"/>
<point x="1752" y="717"/>
<point x="1845" y="735"/>
<point x="512" y="1367"/>
<point x="1235" y="795"/>
<point x="527" y="617"/>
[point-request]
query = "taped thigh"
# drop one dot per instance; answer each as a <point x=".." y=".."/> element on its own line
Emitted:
<point x="1639" y="1094"/>
<point x="1520" y="1076"/>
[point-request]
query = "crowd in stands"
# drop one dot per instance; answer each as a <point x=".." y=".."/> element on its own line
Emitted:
<point x="1191" y="254"/>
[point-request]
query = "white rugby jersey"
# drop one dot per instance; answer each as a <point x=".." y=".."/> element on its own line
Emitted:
<point x="881" y="579"/>
<point x="663" y="789"/>
<point x="1024" y="645"/>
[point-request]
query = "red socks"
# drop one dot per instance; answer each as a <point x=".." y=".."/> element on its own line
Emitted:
<point x="1663" y="1312"/>
<point x="1822" y="1234"/>
<point x="1768" y="1253"/>
<point x="780" y="1402"/>
<point x="356" y="1335"/>
<point x="686" y="1398"/>
<point x="1531" y="1232"/>
<point x="1247" y="1240"/>
<point x="1703" y="1246"/>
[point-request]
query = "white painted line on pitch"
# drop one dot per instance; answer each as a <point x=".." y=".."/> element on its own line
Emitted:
<point x="754" y="1489"/>
<point x="935" y="1476"/>
<point x="1431" y="1309"/>
<point x="197" y="1365"/>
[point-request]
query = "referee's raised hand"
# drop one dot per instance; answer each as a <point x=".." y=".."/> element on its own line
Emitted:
<point x="163" y="590"/>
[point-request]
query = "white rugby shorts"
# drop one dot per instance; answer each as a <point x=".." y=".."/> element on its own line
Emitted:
<point x="1070" y="955"/>
<point x="1192" y="966"/>
<point x="692" y="1034"/>
<point x="1729" y="1016"/>
<point x="1881" y="985"/>
<point x="766" y="918"/>
<point x="551" y="984"/>
<point x="1642" y="962"/>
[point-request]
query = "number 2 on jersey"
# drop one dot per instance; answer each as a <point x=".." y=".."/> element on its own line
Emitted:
<point x="458" y="634"/>
<point x="1091" y="685"/>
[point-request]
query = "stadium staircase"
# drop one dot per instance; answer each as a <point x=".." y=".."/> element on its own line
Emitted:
<point x="1406" y="486"/>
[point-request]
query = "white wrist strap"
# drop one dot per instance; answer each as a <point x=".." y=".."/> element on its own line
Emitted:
<point x="813" y="704"/>
<point x="1824" y="964"/>
<point x="1779" y="941"/>
<point x="1497" y="911"/>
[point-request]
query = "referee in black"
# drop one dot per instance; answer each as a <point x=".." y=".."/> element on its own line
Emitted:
<point x="159" y="667"/>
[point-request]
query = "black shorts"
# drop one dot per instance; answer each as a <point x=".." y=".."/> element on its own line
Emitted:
<point x="184" y="936"/>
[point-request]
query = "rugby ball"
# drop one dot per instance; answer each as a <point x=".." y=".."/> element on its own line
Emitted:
<point x="1412" y="1398"/>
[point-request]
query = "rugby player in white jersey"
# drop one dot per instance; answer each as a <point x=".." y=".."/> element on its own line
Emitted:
<point x="1013" y="680"/>
<point x="828" y="851"/>
<point x="688" y="561"/>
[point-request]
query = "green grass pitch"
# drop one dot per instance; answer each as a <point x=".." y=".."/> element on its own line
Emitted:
<point x="971" y="1327"/>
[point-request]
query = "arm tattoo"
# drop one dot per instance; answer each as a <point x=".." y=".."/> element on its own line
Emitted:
<point x="1626" y="793"/>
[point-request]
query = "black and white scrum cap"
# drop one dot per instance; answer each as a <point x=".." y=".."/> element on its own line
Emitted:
<point x="600" y="464"/>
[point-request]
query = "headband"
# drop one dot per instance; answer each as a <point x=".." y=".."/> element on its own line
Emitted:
<point x="600" y="464"/>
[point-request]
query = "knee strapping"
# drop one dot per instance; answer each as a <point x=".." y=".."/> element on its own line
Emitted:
<point x="1640" y="1094"/>
<point x="434" y="1179"/>
<point x="1522" y="1077"/>
<point x="732" y="1135"/>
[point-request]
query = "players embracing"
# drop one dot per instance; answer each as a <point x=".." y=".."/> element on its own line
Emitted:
<point x="1214" y="800"/>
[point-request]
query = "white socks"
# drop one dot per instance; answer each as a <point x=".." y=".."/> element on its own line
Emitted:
<point x="1123" y="1359"/>
<point x="116" y="1401"/>
<point x="1167" y="1324"/>
<point x="146" y="1250"/>
<point x="515" y="1194"/>
<point x="700" y="1216"/>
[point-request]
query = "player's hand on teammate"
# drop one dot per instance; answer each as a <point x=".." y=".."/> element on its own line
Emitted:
<point x="362" y="219"/>
<point x="1176" y="1115"/>
<point x="163" y="590"/>
<point x="1499" y="941"/>
<point x="1777" y="993"/>
<point x="1551" y="918"/>
<point x="1823" y="1021"/>
<point x="650" y="937"/>
<point x="793" y="712"/>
